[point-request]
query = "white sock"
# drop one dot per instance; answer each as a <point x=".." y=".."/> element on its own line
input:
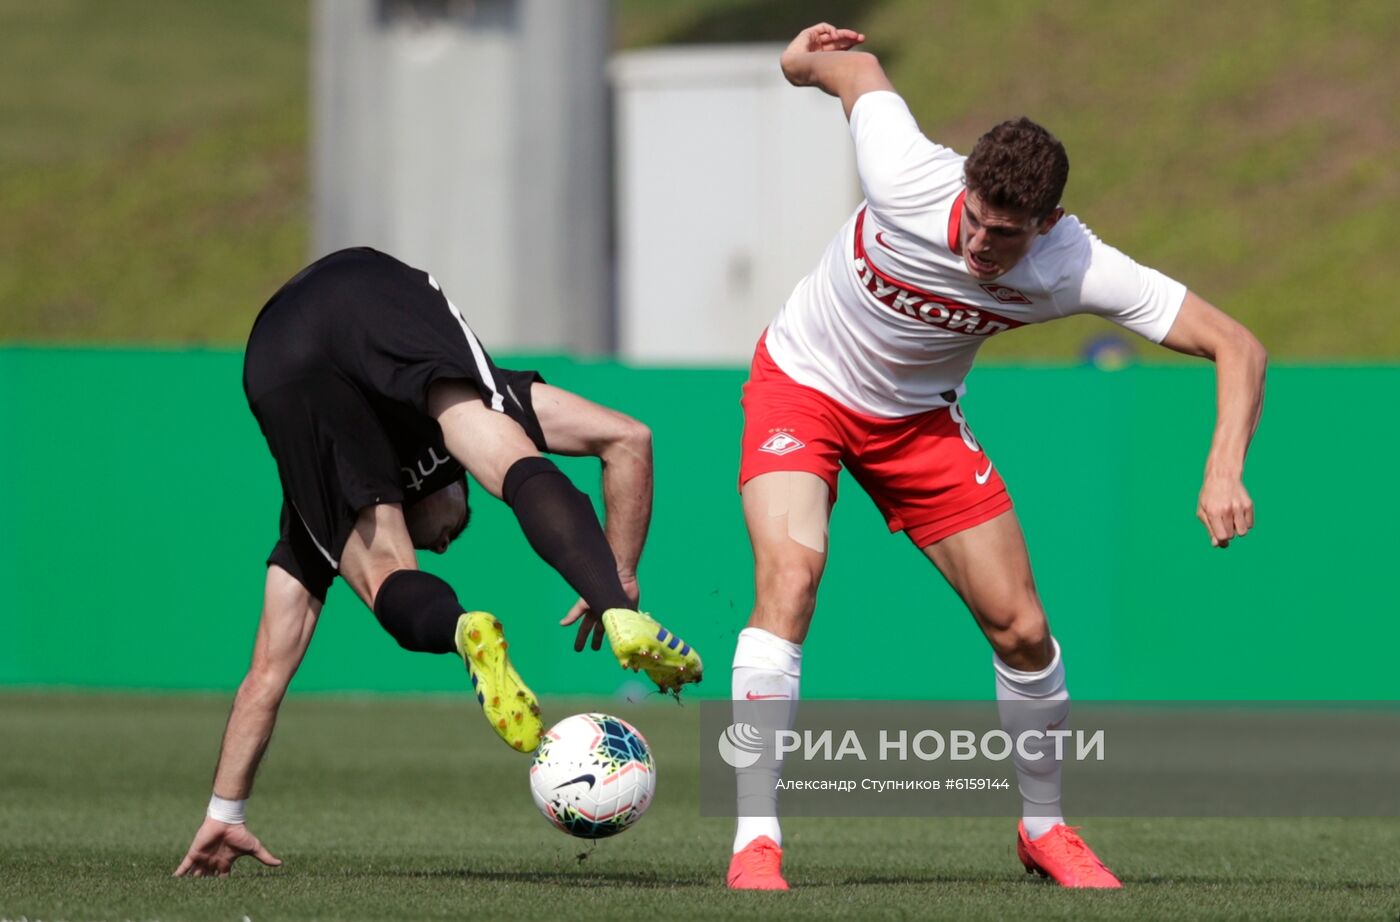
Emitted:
<point x="766" y="668"/>
<point x="1035" y="701"/>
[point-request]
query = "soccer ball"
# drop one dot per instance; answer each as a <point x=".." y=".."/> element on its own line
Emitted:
<point x="593" y="776"/>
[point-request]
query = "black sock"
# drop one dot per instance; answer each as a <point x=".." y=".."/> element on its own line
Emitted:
<point x="419" y="610"/>
<point x="560" y="524"/>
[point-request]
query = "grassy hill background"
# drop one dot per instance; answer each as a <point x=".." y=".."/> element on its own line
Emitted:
<point x="153" y="154"/>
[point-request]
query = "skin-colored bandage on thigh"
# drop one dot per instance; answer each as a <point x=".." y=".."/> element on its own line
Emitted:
<point x="801" y="499"/>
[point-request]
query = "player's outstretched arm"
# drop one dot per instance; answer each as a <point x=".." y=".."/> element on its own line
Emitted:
<point x="573" y="425"/>
<point x="289" y="618"/>
<point x="820" y="56"/>
<point x="1240" y="360"/>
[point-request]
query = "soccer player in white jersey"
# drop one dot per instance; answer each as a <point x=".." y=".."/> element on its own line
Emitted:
<point x="864" y="366"/>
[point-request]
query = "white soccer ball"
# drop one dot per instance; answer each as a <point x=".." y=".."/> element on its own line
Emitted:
<point x="593" y="776"/>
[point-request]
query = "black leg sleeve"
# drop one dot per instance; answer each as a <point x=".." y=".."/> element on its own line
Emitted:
<point x="560" y="524"/>
<point x="419" y="610"/>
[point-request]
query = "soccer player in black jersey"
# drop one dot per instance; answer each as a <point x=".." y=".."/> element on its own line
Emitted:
<point x="375" y="398"/>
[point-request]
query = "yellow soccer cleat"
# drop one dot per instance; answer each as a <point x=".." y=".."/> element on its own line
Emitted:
<point x="639" y="642"/>
<point x="510" y="707"/>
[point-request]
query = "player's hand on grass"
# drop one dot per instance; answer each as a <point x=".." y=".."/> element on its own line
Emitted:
<point x="593" y="621"/>
<point x="1225" y="509"/>
<point x="217" y="846"/>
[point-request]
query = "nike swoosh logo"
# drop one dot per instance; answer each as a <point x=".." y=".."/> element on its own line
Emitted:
<point x="752" y="697"/>
<point x="983" y="475"/>
<point x="880" y="239"/>
<point x="589" y="778"/>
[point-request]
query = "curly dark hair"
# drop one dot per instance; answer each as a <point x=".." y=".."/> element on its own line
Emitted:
<point x="1018" y="165"/>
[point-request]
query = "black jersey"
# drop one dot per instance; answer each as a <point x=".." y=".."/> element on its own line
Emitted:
<point x="337" y="372"/>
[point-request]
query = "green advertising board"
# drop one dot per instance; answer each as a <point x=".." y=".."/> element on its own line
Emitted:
<point x="142" y="505"/>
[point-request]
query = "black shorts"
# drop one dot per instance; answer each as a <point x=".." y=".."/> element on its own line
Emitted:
<point x="337" y="372"/>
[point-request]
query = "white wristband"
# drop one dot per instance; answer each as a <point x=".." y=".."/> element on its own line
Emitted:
<point x="226" y="811"/>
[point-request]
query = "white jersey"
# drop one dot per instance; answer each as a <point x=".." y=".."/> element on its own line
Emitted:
<point x="890" y="320"/>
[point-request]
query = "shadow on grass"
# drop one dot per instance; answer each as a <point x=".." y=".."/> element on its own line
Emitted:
<point x="584" y="878"/>
<point x="588" y="880"/>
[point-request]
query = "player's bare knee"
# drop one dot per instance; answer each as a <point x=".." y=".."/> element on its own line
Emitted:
<point x="787" y="596"/>
<point x="266" y="682"/>
<point x="628" y="440"/>
<point x="1024" y="643"/>
<point x="636" y="435"/>
<point x="365" y="572"/>
<point x="794" y="582"/>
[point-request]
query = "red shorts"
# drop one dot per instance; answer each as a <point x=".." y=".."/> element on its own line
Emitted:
<point x="927" y="473"/>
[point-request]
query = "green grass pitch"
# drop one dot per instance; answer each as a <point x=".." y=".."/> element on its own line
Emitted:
<point x="409" y="808"/>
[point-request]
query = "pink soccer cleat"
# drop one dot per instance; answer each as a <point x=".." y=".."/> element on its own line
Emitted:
<point x="757" y="866"/>
<point x="1064" y="858"/>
